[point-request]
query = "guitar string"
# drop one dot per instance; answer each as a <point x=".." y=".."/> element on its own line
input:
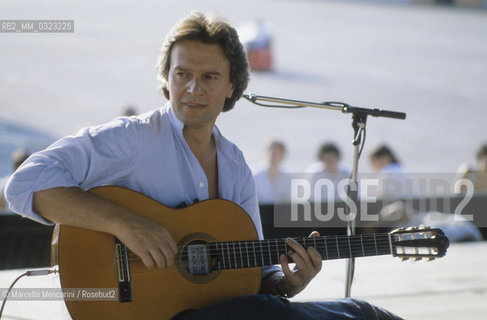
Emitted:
<point x="281" y="242"/>
<point x="332" y="252"/>
<point x="329" y="246"/>
<point x="280" y="246"/>
<point x="213" y="247"/>
<point x="181" y="265"/>
<point x="353" y="240"/>
<point x="235" y="264"/>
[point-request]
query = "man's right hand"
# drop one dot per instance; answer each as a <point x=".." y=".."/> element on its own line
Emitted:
<point x="151" y="242"/>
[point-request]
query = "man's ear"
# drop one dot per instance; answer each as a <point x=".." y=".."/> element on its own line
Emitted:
<point x="230" y="91"/>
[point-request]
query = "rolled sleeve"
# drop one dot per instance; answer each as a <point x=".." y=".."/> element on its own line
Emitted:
<point x="95" y="156"/>
<point x="32" y="177"/>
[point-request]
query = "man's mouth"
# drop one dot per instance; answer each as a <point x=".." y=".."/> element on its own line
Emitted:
<point x="194" y="104"/>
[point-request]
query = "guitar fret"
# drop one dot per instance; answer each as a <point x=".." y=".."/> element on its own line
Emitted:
<point x="217" y="254"/>
<point x="222" y="255"/>
<point x="247" y="251"/>
<point x="261" y="253"/>
<point x="234" y="254"/>
<point x="375" y="243"/>
<point x="357" y="246"/>
<point x="241" y="256"/>
<point x="338" y="249"/>
<point x="255" y="258"/>
<point x="229" y="258"/>
<point x="277" y="251"/>
<point x="269" y="252"/>
<point x="370" y="245"/>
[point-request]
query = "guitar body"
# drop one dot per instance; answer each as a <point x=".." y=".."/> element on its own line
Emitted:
<point x="87" y="259"/>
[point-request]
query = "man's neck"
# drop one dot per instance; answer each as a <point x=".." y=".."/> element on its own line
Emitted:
<point x="199" y="140"/>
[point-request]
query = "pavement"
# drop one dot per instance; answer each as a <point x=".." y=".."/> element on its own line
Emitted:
<point x="452" y="287"/>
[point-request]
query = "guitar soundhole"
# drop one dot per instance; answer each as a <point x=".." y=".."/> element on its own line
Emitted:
<point x="196" y="261"/>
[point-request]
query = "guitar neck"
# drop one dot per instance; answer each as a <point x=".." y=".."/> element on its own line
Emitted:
<point x="258" y="253"/>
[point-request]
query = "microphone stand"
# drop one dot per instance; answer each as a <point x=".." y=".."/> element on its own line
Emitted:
<point x="359" y="121"/>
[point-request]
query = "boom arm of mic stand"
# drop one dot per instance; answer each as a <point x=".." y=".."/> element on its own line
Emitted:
<point x="338" y="106"/>
<point x="330" y="105"/>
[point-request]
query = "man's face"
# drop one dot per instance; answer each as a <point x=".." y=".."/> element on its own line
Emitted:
<point x="276" y="154"/>
<point x="378" y="163"/>
<point x="330" y="160"/>
<point x="198" y="82"/>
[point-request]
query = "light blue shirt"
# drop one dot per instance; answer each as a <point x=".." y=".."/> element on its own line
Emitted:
<point x="273" y="191"/>
<point x="147" y="153"/>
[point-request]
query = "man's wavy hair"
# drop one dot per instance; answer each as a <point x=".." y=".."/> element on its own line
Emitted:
<point x="209" y="30"/>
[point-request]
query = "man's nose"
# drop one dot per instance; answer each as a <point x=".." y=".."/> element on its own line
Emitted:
<point x="195" y="86"/>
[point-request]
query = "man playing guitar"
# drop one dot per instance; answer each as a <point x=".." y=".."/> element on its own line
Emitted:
<point x="175" y="155"/>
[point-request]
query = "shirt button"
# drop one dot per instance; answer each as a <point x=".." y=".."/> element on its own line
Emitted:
<point x="202" y="184"/>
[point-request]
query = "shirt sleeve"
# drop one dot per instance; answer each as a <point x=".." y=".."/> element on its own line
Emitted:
<point x="93" y="157"/>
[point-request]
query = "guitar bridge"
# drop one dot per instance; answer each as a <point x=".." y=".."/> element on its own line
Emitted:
<point x="123" y="272"/>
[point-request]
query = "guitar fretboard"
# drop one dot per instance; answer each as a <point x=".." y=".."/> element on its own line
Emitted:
<point x="258" y="253"/>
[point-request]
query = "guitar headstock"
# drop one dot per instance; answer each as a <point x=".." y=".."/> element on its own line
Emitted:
<point x="418" y="243"/>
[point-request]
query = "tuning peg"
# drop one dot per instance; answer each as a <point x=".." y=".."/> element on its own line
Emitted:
<point x="404" y="258"/>
<point x="430" y="259"/>
<point x="417" y="259"/>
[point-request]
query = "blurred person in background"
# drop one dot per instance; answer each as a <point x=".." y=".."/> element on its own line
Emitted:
<point x="394" y="182"/>
<point x="478" y="176"/>
<point x="129" y="110"/>
<point x="329" y="169"/>
<point x="272" y="183"/>
<point x="383" y="159"/>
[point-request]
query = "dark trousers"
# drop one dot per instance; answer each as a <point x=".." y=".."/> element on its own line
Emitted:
<point x="261" y="306"/>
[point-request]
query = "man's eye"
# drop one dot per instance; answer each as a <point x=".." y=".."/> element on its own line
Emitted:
<point x="211" y="77"/>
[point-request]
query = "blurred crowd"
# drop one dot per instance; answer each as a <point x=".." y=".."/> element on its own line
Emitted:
<point x="327" y="180"/>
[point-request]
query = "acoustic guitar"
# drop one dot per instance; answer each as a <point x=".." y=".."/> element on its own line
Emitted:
<point x="219" y="257"/>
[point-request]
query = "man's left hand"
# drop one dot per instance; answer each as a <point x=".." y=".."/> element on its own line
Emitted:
<point x="308" y="264"/>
